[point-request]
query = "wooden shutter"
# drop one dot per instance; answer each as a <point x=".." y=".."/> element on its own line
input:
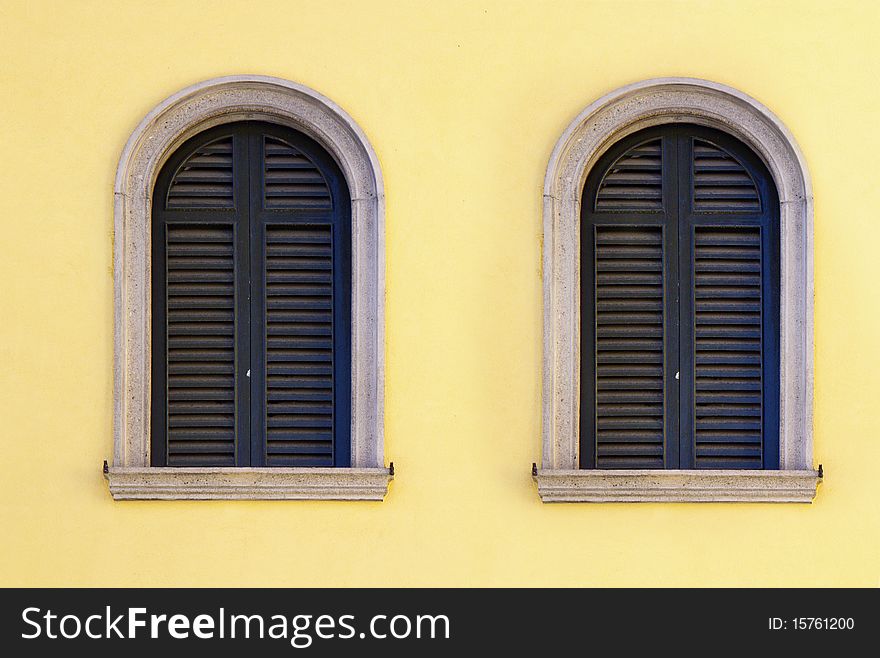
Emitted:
<point x="291" y="180"/>
<point x="303" y="314"/>
<point x="721" y="182"/>
<point x="299" y="345"/>
<point x="197" y="300"/>
<point x="730" y="390"/>
<point x="205" y="178"/>
<point x="679" y="303"/>
<point x="251" y="303"/>
<point x="634" y="181"/>
<point x="728" y="353"/>
<point x="200" y="302"/>
<point x="629" y="353"/>
<point x="627" y="296"/>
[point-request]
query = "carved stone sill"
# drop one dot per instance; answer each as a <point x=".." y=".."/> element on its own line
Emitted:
<point x="155" y="483"/>
<point x="655" y="486"/>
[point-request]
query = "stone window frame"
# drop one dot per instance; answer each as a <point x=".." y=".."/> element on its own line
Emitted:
<point x="162" y="131"/>
<point x="607" y="120"/>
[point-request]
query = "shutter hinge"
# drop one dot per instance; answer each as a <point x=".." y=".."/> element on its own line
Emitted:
<point x="821" y="472"/>
<point x="534" y="470"/>
<point x="106" y="469"/>
<point x="391" y="469"/>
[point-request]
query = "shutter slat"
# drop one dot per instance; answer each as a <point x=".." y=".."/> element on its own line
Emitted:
<point x="200" y="328"/>
<point x="634" y="182"/>
<point x="299" y="356"/>
<point x="629" y="347"/>
<point x="728" y="407"/>
<point x="290" y="180"/>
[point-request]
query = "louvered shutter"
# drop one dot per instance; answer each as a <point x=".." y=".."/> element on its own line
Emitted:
<point x="727" y="347"/>
<point x="196" y="299"/>
<point x="299" y="345"/>
<point x="731" y="314"/>
<point x="629" y="353"/>
<point x="634" y="182"/>
<point x="205" y="179"/>
<point x="251" y="299"/>
<point x="292" y="181"/>
<point x="628" y="327"/>
<point x="721" y="183"/>
<point x="200" y="300"/>
<point x="679" y="303"/>
<point x="305" y="309"/>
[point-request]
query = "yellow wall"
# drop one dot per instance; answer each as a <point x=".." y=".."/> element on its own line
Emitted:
<point x="463" y="102"/>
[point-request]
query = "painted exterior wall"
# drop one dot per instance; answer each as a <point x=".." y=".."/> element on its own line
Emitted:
<point x="463" y="103"/>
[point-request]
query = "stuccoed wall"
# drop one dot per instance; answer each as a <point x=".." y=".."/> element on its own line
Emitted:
<point x="463" y="103"/>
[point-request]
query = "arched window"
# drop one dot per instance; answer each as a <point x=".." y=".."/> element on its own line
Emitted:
<point x="679" y="305"/>
<point x="678" y="302"/>
<point x="251" y="302"/>
<point x="249" y="299"/>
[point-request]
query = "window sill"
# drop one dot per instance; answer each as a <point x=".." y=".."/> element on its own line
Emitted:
<point x="653" y="486"/>
<point x="137" y="483"/>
